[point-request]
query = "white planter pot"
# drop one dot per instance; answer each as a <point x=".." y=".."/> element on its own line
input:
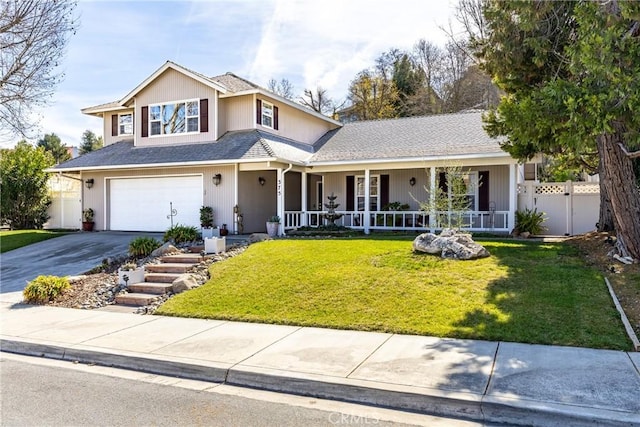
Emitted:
<point x="133" y="276"/>
<point x="208" y="233"/>
<point x="215" y="245"/>
<point x="273" y="228"/>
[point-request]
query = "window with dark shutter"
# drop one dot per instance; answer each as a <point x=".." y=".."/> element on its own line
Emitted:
<point x="204" y="115"/>
<point x="275" y="117"/>
<point x="350" y="192"/>
<point x="114" y="125"/>
<point x="144" y="129"/>
<point x="258" y="111"/>
<point x="483" y="190"/>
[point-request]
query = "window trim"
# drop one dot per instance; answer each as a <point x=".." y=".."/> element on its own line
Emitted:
<point x="120" y="115"/>
<point x="356" y="195"/>
<point x="263" y="114"/>
<point x="186" y="118"/>
<point x="473" y="182"/>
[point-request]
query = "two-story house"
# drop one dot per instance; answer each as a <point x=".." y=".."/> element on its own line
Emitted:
<point x="181" y="140"/>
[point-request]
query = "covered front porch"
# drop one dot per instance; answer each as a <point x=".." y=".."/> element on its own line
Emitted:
<point x="396" y="197"/>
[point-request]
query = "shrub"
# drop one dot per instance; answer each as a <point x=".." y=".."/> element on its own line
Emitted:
<point x="181" y="234"/>
<point x="143" y="246"/>
<point x="206" y="216"/>
<point x="530" y="221"/>
<point x="43" y="289"/>
<point x="130" y="266"/>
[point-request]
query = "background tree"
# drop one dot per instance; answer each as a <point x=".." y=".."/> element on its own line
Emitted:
<point x="318" y="100"/>
<point x="51" y="143"/>
<point x="569" y="71"/>
<point x="372" y="97"/>
<point x="24" y="195"/>
<point x="33" y="35"/>
<point x="90" y="142"/>
<point x="284" y="88"/>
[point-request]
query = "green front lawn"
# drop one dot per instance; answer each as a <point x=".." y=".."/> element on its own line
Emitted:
<point x="525" y="292"/>
<point x="10" y="240"/>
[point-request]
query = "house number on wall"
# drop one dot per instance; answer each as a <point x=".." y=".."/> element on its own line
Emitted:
<point x="279" y="187"/>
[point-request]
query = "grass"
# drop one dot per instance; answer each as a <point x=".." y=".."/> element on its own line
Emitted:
<point x="525" y="292"/>
<point x="14" y="239"/>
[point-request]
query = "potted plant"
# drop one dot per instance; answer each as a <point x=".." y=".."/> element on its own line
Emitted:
<point x="87" y="220"/>
<point x="206" y="221"/>
<point x="273" y="226"/>
<point x="130" y="273"/>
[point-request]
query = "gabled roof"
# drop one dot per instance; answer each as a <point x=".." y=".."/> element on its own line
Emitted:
<point x="172" y="65"/>
<point x="246" y="146"/>
<point x="443" y="135"/>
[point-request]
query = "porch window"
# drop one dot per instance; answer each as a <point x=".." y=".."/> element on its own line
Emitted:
<point x="374" y="193"/>
<point x="125" y="124"/>
<point x="174" y="117"/>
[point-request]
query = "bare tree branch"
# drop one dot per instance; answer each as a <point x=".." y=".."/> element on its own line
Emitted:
<point x="33" y="36"/>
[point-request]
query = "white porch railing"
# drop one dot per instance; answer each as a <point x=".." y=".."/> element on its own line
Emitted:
<point x="402" y="220"/>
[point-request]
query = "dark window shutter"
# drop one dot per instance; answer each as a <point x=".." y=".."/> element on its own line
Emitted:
<point x="144" y="130"/>
<point x="114" y="125"/>
<point x="384" y="190"/>
<point x="275" y="117"/>
<point x="350" y="192"/>
<point x="204" y="115"/>
<point x="258" y="111"/>
<point x="483" y="190"/>
<point x="442" y="182"/>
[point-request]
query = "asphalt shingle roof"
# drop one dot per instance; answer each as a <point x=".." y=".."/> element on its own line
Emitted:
<point x="234" y="83"/>
<point x="241" y="145"/>
<point x="413" y="137"/>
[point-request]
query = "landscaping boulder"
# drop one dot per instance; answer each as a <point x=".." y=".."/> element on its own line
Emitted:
<point x="258" y="237"/>
<point x="184" y="283"/>
<point x="167" y="248"/>
<point x="450" y="244"/>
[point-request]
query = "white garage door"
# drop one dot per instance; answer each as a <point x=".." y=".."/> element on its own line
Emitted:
<point x="143" y="204"/>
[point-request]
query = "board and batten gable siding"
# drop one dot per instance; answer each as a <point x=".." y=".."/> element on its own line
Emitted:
<point x="107" y="132"/>
<point x="174" y="86"/>
<point x="220" y="198"/>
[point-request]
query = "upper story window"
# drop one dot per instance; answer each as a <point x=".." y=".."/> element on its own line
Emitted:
<point x="125" y="124"/>
<point x="266" y="114"/>
<point x="174" y="117"/>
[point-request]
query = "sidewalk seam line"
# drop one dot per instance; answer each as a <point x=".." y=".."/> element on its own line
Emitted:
<point x="223" y="322"/>
<point x="486" y="389"/>
<point x="369" y="356"/>
<point x="114" y="332"/>
<point x="263" y="348"/>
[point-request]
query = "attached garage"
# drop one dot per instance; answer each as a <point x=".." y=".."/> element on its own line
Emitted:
<point x="144" y="204"/>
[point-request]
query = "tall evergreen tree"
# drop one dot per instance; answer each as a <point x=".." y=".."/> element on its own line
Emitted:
<point x="90" y="142"/>
<point x="570" y="73"/>
<point x="51" y="143"/>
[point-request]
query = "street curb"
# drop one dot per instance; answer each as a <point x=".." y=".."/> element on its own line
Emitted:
<point x="470" y="406"/>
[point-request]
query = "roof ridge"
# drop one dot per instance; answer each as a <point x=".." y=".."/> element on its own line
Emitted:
<point x="387" y="119"/>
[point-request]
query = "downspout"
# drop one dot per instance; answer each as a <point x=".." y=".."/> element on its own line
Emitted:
<point x="281" y="197"/>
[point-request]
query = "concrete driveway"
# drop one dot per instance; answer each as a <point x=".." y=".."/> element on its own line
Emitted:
<point x="68" y="255"/>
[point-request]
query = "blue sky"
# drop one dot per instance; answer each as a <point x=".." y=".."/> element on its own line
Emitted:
<point x="310" y="43"/>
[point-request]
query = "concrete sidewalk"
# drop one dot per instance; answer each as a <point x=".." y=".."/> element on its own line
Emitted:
<point x="494" y="382"/>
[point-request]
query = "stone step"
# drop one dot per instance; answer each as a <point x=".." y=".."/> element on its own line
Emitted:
<point x="150" y="288"/>
<point x="161" y="277"/>
<point x="168" y="267"/>
<point x="182" y="259"/>
<point x="136" y="299"/>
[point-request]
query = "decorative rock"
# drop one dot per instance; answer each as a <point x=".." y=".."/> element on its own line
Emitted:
<point x="258" y="237"/>
<point x="163" y="250"/>
<point x="183" y="283"/>
<point x="450" y="245"/>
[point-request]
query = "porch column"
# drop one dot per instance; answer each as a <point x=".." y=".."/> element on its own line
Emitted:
<point x="367" y="216"/>
<point x="513" y="196"/>
<point x="280" y="199"/>
<point x="303" y="195"/>
<point x="432" y="199"/>
<point x="236" y="180"/>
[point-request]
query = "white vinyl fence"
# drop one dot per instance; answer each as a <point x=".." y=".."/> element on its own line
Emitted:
<point x="570" y="207"/>
<point x="65" y="210"/>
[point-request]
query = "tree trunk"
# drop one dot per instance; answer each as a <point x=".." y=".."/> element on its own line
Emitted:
<point x="605" y="219"/>
<point x="618" y="179"/>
